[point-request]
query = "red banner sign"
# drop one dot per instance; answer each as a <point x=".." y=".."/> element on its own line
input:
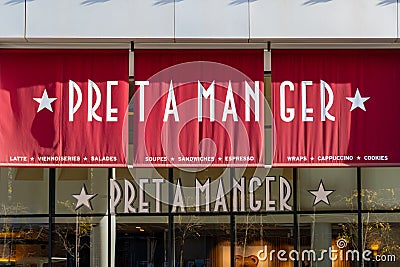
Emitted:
<point x="336" y="107"/>
<point x="198" y="108"/>
<point x="63" y="107"/>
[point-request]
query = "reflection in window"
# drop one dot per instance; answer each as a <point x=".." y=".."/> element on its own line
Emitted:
<point x="141" y="241"/>
<point x="23" y="242"/>
<point x="77" y="241"/>
<point x="202" y="241"/>
<point x="258" y="235"/>
<point x="23" y="191"/>
<point x="380" y="188"/>
<point x="381" y="234"/>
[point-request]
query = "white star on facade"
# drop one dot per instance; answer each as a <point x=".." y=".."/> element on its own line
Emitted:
<point x="357" y="101"/>
<point x="172" y="159"/>
<point x="321" y="194"/>
<point x="85" y="158"/>
<point x="312" y="158"/>
<point x="84" y="198"/>
<point x="358" y="157"/>
<point x="44" y="101"/>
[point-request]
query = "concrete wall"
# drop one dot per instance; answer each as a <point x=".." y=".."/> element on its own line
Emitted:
<point x="188" y="20"/>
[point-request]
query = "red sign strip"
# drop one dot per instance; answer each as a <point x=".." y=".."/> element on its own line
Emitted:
<point x="63" y="107"/>
<point x="336" y="107"/>
<point x="198" y="108"/>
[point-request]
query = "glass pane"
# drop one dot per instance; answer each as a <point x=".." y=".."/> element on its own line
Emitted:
<point x="80" y="241"/>
<point x="202" y="191"/>
<point x="140" y="190"/>
<point x="327" y="189"/>
<point x="202" y="241"/>
<point x="23" y="191"/>
<point x="23" y="241"/>
<point x="259" y="235"/>
<point x="380" y="188"/>
<point x="263" y="189"/>
<point x="329" y="240"/>
<point x="141" y="241"/>
<point x="81" y="190"/>
<point x="381" y="234"/>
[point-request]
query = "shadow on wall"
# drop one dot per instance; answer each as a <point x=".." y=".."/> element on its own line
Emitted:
<point x="314" y="2"/>
<point x="16" y="2"/>
<point x="238" y="2"/>
<point x="92" y="2"/>
<point x="232" y="3"/>
<point x="386" y="2"/>
<point x="165" y="2"/>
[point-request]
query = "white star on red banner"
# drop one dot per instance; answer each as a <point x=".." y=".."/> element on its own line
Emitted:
<point x="357" y="101"/>
<point x="45" y="101"/>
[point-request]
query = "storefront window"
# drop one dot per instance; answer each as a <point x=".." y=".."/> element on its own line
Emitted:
<point x="201" y="240"/>
<point x="141" y="241"/>
<point x="258" y="237"/>
<point x="23" y="241"/>
<point x="381" y="234"/>
<point x="73" y="183"/>
<point x="80" y="241"/>
<point x="259" y="215"/>
<point x="327" y="189"/>
<point x="141" y="190"/>
<point x="380" y="188"/>
<point x="264" y="190"/>
<point x="23" y="191"/>
<point x="329" y="240"/>
<point x="202" y="191"/>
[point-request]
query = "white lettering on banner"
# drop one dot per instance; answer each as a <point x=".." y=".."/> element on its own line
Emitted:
<point x="325" y="109"/>
<point x="18" y="158"/>
<point x="141" y="95"/>
<point x="336" y="157"/>
<point x="171" y="101"/>
<point x="255" y="95"/>
<point x="283" y="109"/>
<point x="229" y="101"/>
<point x="210" y="92"/>
<point x="171" y="107"/>
<point x="92" y="108"/>
<point x="304" y="109"/>
<point x="73" y="87"/>
<point x="328" y="158"/>
<point x="288" y="114"/>
<point x="206" y="193"/>
<point x="75" y="104"/>
<point x="109" y="109"/>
